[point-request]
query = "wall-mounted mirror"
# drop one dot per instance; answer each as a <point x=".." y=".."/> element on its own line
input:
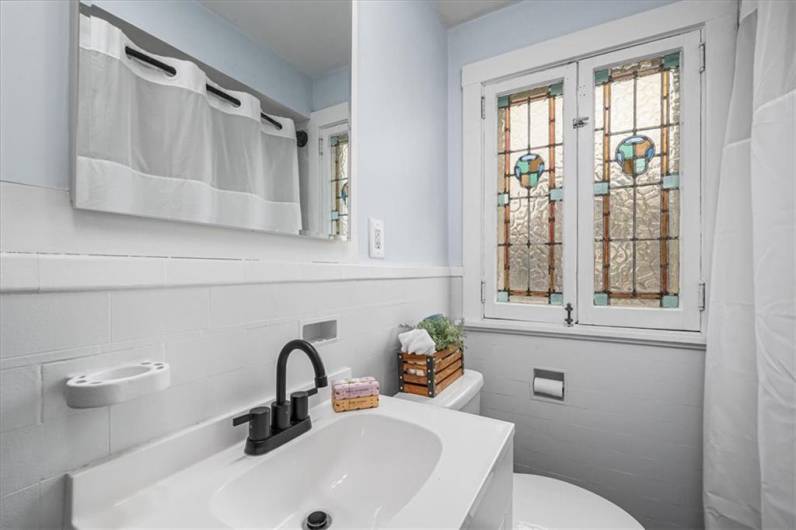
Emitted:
<point x="223" y="112"/>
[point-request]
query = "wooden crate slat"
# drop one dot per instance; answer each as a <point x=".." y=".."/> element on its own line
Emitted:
<point x="416" y="379"/>
<point x="415" y="389"/>
<point x="438" y="371"/>
<point x="451" y="378"/>
<point x="440" y="376"/>
<point x="447" y="361"/>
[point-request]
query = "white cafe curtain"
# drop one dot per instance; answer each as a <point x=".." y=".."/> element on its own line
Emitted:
<point x="161" y="146"/>
<point x="750" y="383"/>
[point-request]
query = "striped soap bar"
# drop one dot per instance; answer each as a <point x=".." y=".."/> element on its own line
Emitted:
<point x="355" y="388"/>
<point x="343" y="405"/>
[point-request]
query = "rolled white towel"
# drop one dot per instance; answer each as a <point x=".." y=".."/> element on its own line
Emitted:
<point x="417" y="341"/>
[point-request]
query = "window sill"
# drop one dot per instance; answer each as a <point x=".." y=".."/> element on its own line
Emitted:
<point x="691" y="340"/>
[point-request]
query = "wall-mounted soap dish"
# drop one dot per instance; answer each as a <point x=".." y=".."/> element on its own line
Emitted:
<point x="114" y="385"/>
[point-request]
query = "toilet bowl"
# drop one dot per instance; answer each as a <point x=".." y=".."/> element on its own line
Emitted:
<point x="540" y="503"/>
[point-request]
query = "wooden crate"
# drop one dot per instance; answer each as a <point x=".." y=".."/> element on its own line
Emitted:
<point x="428" y="375"/>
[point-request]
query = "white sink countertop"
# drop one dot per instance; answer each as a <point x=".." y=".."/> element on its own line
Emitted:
<point x="402" y="464"/>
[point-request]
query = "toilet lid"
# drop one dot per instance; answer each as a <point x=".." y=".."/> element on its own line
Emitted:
<point x="542" y="503"/>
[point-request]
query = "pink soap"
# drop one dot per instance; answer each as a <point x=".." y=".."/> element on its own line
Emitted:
<point x="356" y="387"/>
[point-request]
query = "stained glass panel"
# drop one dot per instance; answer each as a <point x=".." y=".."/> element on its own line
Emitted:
<point x="636" y="191"/>
<point x="530" y="196"/>
<point x="340" y="185"/>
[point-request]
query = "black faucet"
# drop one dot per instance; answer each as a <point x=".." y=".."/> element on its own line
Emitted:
<point x="288" y="419"/>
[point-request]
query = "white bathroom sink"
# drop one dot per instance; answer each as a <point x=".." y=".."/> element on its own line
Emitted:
<point x="401" y="465"/>
<point x="360" y="470"/>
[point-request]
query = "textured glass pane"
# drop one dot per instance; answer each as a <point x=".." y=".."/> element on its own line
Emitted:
<point x="674" y="213"/>
<point x="674" y="266"/>
<point x="518" y="267"/>
<point x="598" y="156"/>
<point x="501" y="132"/>
<point x="648" y="212"/>
<point x="598" y="107"/>
<point x="531" y="188"/>
<point x="501" y="265"/>
<point x="518" y="226"/>
<point x="539" y="276"/>
<point x="621" y="273"/>
<point x="558" y="230"/>
<point x="643" y="210"/>
<point x="648" y="101"/>
<point x="674" y="149"/>
<point x="621" y="214"/>
<point x="539" y="215"/>
<point x="540" y="123"/>
<point x="598" y="268"/>
<point x="559" y="119"/>
<point x="558" y="284"/>
<point x="559" y="151"/>
<point x="599" y="226"/>
<point x="622" y="105"/>
<point x="519" y="126"/>
<point x="648" y="267"/>
<point x="674" y="96"/>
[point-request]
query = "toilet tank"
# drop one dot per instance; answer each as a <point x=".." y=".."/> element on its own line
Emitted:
<point x="464" y="394"/>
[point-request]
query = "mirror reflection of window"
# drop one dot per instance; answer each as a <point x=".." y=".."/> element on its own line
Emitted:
<point x="340" y="186"/>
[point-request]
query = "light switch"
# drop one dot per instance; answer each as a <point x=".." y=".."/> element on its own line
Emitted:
<point x="376" y="238"/>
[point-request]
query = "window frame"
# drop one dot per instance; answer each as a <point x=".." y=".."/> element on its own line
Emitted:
<point x="686" y="316"/>
<point x="515" y="311"/>
<point x="718" y="21"/>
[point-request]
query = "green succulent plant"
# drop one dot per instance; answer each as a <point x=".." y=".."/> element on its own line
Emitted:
<point x="443" y="332"/>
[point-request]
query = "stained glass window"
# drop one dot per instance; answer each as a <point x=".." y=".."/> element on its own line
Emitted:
<point x="340" y="189"/>
<point x="636" y="183"/>
<point x="530" y="196"/>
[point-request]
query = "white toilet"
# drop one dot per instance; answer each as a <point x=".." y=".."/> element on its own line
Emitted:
<point x="540" y="503"/>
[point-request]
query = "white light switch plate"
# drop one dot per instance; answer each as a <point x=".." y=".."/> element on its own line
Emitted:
<point x="376" y="238"/>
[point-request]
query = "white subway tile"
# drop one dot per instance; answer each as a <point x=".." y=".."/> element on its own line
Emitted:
<point x="32" y="323"/>
<point x="52" y="503"/>
<point x="18" y="511"/>
<point x="188" y="271"/>
<point x="235" y="305"/>
<point x="55" y="374"/>
<point x="211" y="353"/>
<point x="155" y="415"/>
<point x="20" y="397"/>
<point x="95" y="272"/>
<point x="19" y="272"/>
<point x="30" y="454"/>
<point x="152" y="313"/>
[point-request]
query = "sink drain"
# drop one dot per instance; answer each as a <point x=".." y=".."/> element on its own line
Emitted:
<point x="318" y="520"/>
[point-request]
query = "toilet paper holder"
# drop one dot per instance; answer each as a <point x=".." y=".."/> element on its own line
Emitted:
<point x="550" y="386"/>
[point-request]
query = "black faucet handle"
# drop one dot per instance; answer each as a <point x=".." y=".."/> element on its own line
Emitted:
<point x="259" y="420"/>
<point x="300" y="404"/>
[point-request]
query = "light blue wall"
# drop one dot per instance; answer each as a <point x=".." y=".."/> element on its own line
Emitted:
<point x="332" y="88"/>
<point x="192" y="28"/>
<point x="401" y="122"/>
<point x="34" y="93"/>
<point x="513" y="27"/>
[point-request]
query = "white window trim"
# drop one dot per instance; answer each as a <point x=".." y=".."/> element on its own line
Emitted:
<point x="686" y="317"/>
<point x="330" y="120"/>
<point x="718" y="22"/>
<point x="539" y="313"/>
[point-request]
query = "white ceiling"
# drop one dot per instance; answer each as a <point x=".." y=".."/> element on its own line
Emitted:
<point x="312" y="35"/>
<point x="453" y="12"/>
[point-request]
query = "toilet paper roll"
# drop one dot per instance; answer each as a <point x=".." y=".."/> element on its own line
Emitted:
<point x="548" y="387"/>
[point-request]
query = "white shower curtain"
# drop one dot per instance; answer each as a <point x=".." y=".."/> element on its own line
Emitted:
<point x="160" y="145"/>
<point x="750" y="383"/>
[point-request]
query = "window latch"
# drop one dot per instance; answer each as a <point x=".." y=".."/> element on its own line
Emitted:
<point x="568" y="308"/>
<point x="577" y="123"/>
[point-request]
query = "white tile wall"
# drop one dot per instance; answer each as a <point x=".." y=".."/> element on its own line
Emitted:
<point x="222" y="344"/>
<point x="630" y="428"/>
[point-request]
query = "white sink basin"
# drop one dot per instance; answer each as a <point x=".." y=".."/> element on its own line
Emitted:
<point x="360" y="470"/>
<point x="401" y="465"/>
